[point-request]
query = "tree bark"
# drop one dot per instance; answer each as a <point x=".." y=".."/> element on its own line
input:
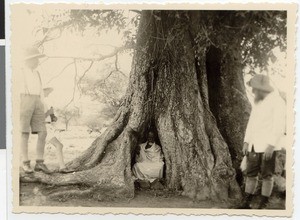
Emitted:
<point x="228" y="100"/>
<point x="170" y="91"/>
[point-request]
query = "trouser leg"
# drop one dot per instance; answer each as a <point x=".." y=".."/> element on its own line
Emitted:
<point x="251" y="184"/>
<point x="250" y="187"/>
<point x="267" y="186"/>
<point x="266" y="191"/>
<point x="252" y="171"/>
<point x="253" y="168"/>
<point x="267" y="171"/>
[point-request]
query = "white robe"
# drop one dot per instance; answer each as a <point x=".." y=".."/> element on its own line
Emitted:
<point x="267" y="124"/>
<point x="149" y="163"/>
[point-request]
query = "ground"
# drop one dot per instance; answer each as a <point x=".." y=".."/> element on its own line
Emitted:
<point x="78" y="139"/>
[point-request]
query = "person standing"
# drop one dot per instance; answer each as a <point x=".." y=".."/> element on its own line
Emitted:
<point x="32" y="115"/>
<point x="265" y="128"/>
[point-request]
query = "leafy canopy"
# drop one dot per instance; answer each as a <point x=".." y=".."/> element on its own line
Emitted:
<point x="253" y="34"/>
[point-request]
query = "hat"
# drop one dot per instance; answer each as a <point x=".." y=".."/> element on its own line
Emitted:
<point x="261" y="82"/>
<point x="32" y="52"/>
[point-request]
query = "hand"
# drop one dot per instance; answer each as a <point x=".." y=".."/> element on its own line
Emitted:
<point x="54" y="119"/>
<point x="269" y="152"/>
<point x="245" y="149"/>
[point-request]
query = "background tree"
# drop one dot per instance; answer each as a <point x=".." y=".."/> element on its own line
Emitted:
<point x="107" y="90"/>
<point x="67" y="115"/>
<point x="186" y="83"/>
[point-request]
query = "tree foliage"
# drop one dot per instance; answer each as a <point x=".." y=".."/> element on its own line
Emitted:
<point x="252" y="34"/>
<point x="79" y="21"/>
<point x="108" y="89"/>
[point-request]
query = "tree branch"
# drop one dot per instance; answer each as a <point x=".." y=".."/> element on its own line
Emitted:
<point x="116" y="62"/>
<point x="74" y="89"/>
<point x="60" y="28"/>
<point x="107" y="45"/>
<point x="79" y="81"/>
<point x="103" y="57"/>
<point x="60" y="72"/>
<point x="206" y="35"/>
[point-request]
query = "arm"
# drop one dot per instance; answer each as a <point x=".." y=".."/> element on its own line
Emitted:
<point x="279" y="120"/>
<point x="49" y="112"/>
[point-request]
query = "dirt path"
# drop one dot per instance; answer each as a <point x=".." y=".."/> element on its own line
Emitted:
<point x="31" y="195"/>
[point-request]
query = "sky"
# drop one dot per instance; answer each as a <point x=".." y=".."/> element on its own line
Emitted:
<point x="69" y="44"/>
<point x="83" y="47"/>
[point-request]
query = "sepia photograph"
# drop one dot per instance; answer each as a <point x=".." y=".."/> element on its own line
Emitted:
<point x="153" y="109"/>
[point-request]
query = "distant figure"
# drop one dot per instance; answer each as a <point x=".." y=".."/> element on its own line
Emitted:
<point x="32" y="117"/>
<point x="53" y="136"/>
<point x="265" y="129"/>
<point x="149" y="161"/>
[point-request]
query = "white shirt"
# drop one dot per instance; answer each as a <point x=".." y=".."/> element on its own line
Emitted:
<point x="31" y="82"/>
<point x="266" y="125"/>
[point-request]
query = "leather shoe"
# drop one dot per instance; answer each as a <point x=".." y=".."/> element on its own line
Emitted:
<point x="40" y="166"/>
<point x="26" y="167"/>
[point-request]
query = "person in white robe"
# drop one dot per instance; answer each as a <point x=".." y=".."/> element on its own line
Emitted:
<point x="149" y="161"/>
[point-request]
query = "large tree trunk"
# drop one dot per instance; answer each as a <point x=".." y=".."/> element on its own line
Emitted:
<point x="228" y="101"/>
<point x="171" y="90"/>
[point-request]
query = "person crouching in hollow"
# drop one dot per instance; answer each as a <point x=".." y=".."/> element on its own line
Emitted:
<point x="149" y="162"/>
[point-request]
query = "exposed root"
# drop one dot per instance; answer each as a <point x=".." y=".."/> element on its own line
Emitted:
<point x="112" y="178"/>
<point x="223" y="173"/>
<point x="110" y="134"/>
<point x="58" y="179"/>
<point x="76" y="164"/>
<point x="93" y="155"/>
